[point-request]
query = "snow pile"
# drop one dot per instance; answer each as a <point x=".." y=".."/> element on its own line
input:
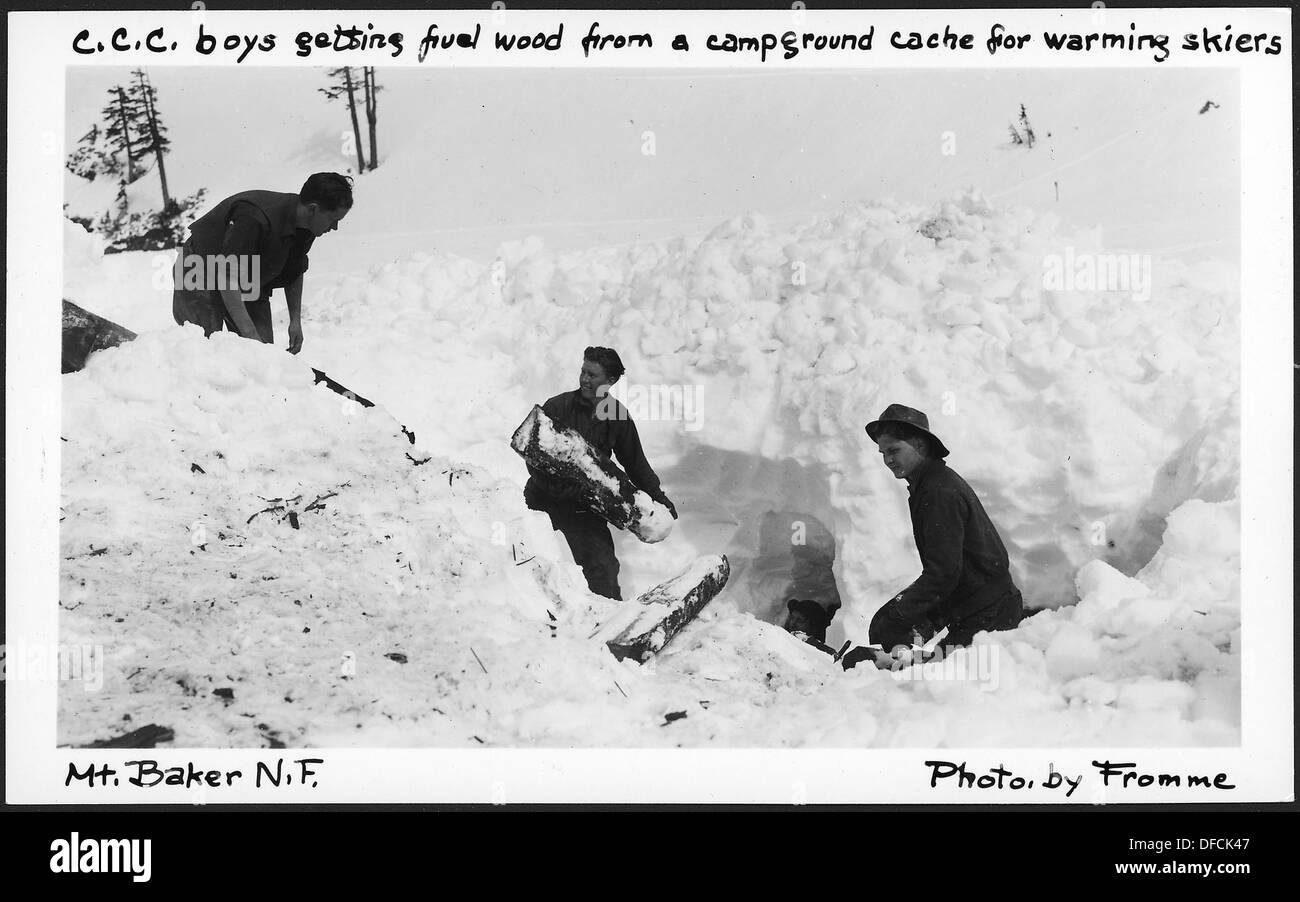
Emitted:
<point x="132" y="289"/>
<point x="83" y="250"/>
<point x="267" y="563"/>
<point x="413" y="602"/>
<point x="1058" y="404"/>
<point x="229" y="525"/>
<point x="1166" y="644"/>
<point x="1139" y="661"/>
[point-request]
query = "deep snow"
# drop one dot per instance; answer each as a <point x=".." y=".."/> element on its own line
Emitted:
<point x="415" y="606"/>
<point x="441" y="563"/>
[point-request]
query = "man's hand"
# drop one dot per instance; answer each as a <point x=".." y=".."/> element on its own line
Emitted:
<point x="859" y="653"/>
<point x="901" y="657"/>
<point x="293" y="300"/>
<point x="663" y="499"/>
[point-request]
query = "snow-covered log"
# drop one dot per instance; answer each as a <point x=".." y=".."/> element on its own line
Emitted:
<point x="645" y="625"/>
<point x="84" y="333"/>
<point x="605" y="489"/>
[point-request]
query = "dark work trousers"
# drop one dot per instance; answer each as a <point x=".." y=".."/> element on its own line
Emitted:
<point x="592" y="547"/>
<point x="888" y="629"/>
<point x="206" y="309"/>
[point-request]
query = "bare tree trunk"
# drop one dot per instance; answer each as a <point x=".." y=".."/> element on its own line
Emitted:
<point x="151" y="116"/>
<point x="352" y="110"/>
<point x="371" y="113"/>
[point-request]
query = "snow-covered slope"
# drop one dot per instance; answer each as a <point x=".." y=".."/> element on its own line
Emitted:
<point x="1060" y="406"/>
<point x="412" y="604"/>
<point x="1098" y="426"/>
<point x="227" y="524"/>
<point x="1057" y="430"/>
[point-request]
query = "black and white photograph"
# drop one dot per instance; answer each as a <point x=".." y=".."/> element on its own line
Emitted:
<point x="454" y="383"/>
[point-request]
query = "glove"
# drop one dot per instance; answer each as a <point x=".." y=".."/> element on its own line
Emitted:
<point x="859" y="653"/>
<point x="663" y="499"/>
<point x="544" y="494"/>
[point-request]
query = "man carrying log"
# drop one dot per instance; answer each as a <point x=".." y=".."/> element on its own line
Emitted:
<point x="965" y="582"/>
<point x="599" y="418"/>
<point x="248" y="245"/>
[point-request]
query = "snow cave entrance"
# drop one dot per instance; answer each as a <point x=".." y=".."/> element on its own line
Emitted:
<point x="772" y="518"/>
<point x="795" y="558"/>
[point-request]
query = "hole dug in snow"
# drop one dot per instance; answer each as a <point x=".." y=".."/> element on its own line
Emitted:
<point x="770" y="518"/>
<point x="794" y="559"/>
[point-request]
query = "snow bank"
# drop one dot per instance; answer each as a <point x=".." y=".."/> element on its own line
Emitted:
<point x="413" y="603"/>
<point x="227" y="524"/>
<point x="1059" y="405"/>
<point x="1139" y="661"/>
<point x="1166" y="642"/>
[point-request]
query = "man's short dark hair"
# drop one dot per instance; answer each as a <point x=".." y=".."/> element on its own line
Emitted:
<point x="607" y="358"/>
<point x="328" y="190"/>
<point x="905" y="432"/>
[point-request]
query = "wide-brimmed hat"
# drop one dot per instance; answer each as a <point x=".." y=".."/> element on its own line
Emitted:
<point x="897" y="413"/>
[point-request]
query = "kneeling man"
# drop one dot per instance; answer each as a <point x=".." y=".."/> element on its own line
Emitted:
<point x="965" y="583"/>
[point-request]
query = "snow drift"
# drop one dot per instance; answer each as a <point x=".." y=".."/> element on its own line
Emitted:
<point x="1059" y="405"/>
<point x="412" y="603"/>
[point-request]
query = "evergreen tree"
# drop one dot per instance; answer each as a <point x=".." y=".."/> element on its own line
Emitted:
<point x="134" y="136"/>
<point x="1025" y="134"/>
<point x="153" y="133"/>
<point x="120" y="118"/>
<point x="1024" y="123"/>
<point x="92" y="157"/>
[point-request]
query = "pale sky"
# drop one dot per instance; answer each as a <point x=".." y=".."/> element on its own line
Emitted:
<point x="490" y="150"/>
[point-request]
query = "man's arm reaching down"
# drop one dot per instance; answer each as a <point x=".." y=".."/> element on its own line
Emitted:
<point x="239" y="246"/>
<point x="234" y="301"/>
<point x="293" y="299"/>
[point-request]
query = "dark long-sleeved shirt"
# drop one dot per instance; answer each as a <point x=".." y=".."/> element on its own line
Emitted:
<point x="609" y="429"/>
<point x="964" y="565"/>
